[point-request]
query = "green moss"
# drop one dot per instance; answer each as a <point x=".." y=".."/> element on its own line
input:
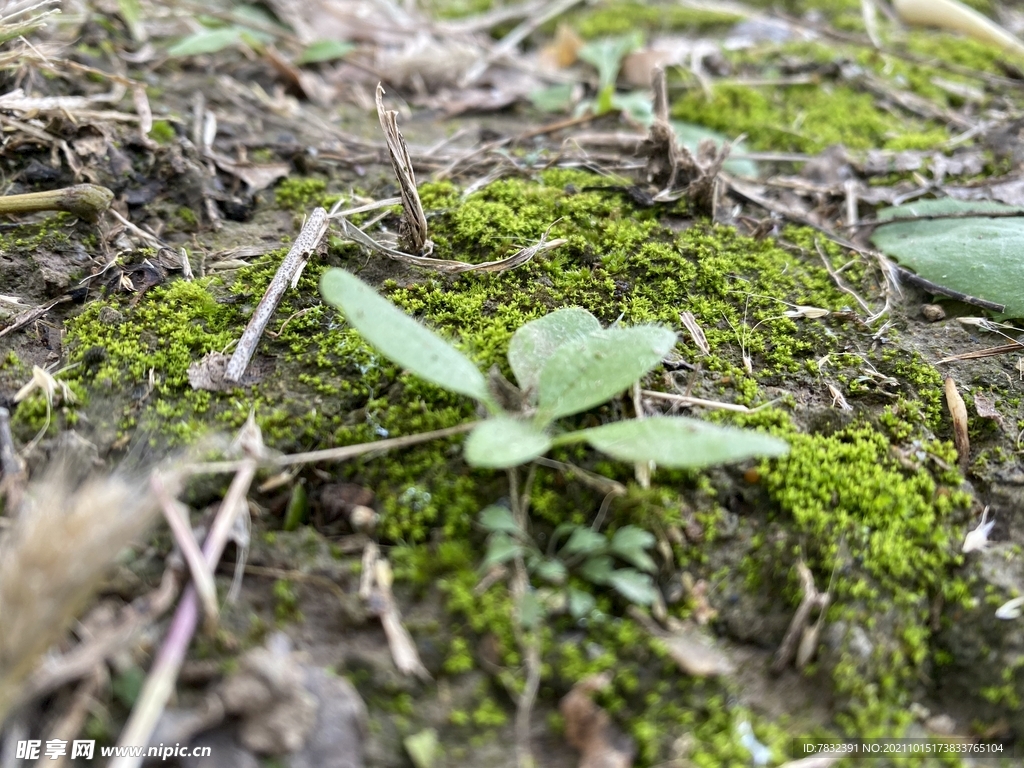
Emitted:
<point x="806" y="119"/>
<point x="162" y="132"/>
<point x="286" y="601"/>
<point x="302" y="193"/>
<point x="619" y="18"/>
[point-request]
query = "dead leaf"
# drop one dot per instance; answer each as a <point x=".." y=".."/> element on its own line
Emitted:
<point x="958" y="410"/>
<point x="563" y="50"/>
<point x="986" y="409"/>
<point x="589" y="729"/>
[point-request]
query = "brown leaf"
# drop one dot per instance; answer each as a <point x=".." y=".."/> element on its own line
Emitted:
<point x="589" y="729"/>
<point x="958" y="410"/>
<point x="563" y="50"/>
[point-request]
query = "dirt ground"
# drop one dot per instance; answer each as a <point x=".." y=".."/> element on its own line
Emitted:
<point x="360" y="621"/>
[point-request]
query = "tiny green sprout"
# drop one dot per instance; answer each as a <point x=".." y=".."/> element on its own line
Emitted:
<point x="565" y="363"/>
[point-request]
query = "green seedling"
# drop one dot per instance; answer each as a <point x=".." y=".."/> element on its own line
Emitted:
<point x="593" y="556"/>
<point x="565" y="363"/>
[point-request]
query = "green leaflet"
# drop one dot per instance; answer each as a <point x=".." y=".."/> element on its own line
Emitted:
<point x="679" y="442"/>
<point x="400" y="338"/>
<point x="585" y="373"/>
<point x="534" y="343"/>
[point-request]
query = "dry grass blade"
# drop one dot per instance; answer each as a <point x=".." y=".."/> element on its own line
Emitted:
<point x="448" y="266"/>
<point x="414" y="230"/>
<point x="958" y="411"/>
<point x="696" y="332"/>
<point x="61" y="545"/>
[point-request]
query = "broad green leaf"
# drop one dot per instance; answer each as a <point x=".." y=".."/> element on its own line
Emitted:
<point x="496" y="518"/>
<point x="629" y="543"/>
<point x="606" y="55"/>
<point x="534" y="343"/>
<point x="423" y="748"/>
<point x="585" y="373"/>
<point x="597" y="569"/>
<point x="979" y="256"/>
<point x="552" y="571"/>
<point x="679" y="442"/>
<point x="500" y="548"/>
<point x="585" y="541"/>
<point x="206" y="41"/>
<point x="131" y="12"/>
<point x="580" y="603"/>
<point x="690" y="136"/>
<point x="504" y="442"/>
<point x="634" y="586"/>
<point x="636" y="104"/>
<point x="325" y="50"/>
<point x="531" y="610"/>
<point x="400" y="338"/>
<point x="554" y="98"/>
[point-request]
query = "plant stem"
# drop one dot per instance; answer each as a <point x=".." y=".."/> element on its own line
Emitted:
<point x="87" y="201"/>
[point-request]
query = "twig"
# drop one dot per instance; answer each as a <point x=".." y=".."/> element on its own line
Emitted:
<point x="375" y="589"/>
<point x="700" y="402"/>
<point x="160" y="684"/>
<point x="86" y="201"/>
<point x="176" y="515"/>
<point x="838" y="280"/>
<point x="334" y="454"/>
<point x="790" y="643"/>
<point x="305" y="244"/>
<point x="529" y="639"/>
<point x="978" y="354"/>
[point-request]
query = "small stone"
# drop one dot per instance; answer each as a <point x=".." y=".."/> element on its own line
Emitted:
<point x="932" y="312"/>
<point x="941" y="725"/>
<point x="363" y="519"/>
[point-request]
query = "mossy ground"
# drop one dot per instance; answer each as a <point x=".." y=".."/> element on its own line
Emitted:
<point x="842" y="501"/>
<point x="869" y="500"/>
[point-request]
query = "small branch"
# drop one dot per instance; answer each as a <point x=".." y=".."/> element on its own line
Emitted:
<point x="86" y="201"/>
<point x="162" y="676"/>
<point x="176" y="515"/>
<point x="306" y="243"/>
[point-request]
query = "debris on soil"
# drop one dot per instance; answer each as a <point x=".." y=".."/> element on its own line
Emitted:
<point x="590" y="730"/>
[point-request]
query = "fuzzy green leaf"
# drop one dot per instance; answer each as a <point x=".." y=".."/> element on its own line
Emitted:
<point x="585" y="541"/>
<point x="606" y="55"/>
<point x="496" y="518"/>
<point x="500" y="548"/>
<point x="400" y="338"/>
<point x="552" y="571"/>
<point x="634" y="586"/>
<point x="585" y="373"/>
<point x="580" y="603"/>
<point x="681" y="443"/>
<point x="325" y="50"/>
<point x="979" y="256"/>
<point x="206" y="41"/>
<point x="504" y="442"/>
<point x="629" y="543"/>
<point x="531" y="610"/>
<point x="535" y="342"/>
<point x="597" y="569"/>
